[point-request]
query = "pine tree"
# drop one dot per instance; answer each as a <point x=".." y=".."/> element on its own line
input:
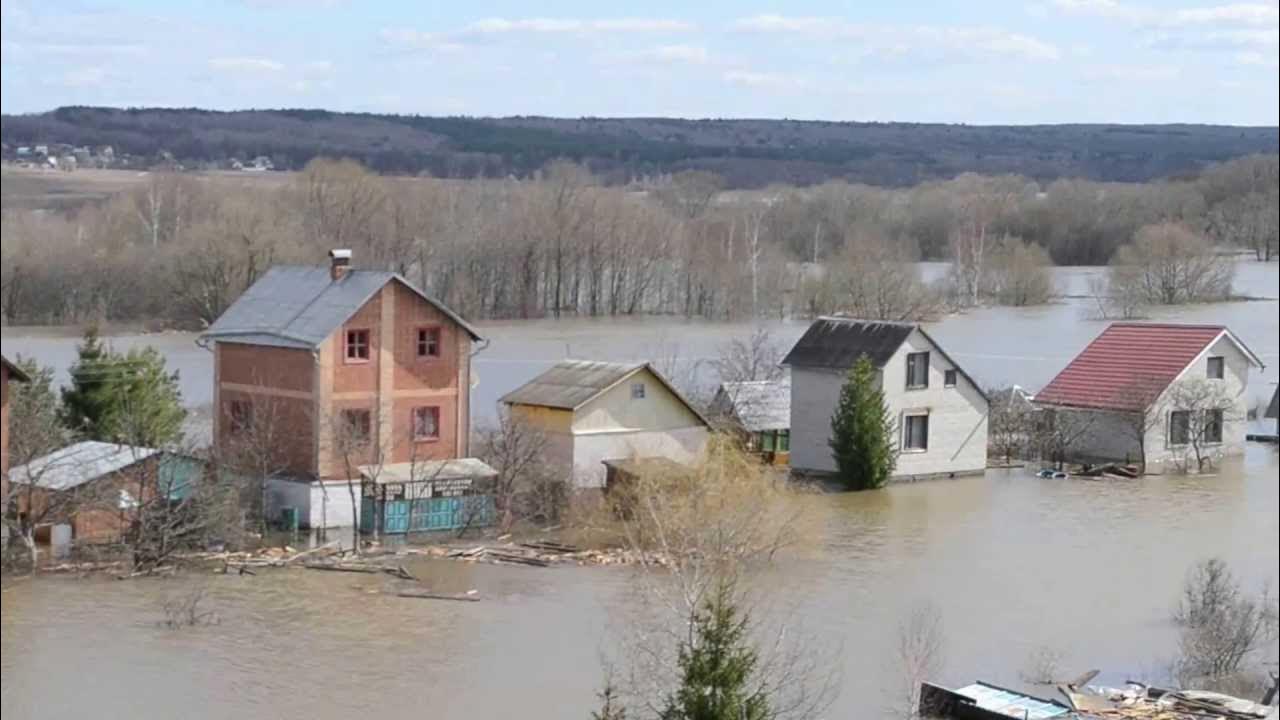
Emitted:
<point x="129" y="398"/>
<point x="862" y="431"/>
<point x="610" y="708"/>
<point x="717" y="667"/>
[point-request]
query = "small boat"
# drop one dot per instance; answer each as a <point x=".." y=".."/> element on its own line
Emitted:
<point x="1051" y="474"/>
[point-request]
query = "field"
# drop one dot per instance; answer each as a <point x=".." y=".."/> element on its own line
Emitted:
<point x="37" y="189"/>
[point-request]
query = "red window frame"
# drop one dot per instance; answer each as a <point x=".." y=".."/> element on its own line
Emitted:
<point x="425" y="410"/>
<point x="427" y="342"/>
<point x="355" y="342"/>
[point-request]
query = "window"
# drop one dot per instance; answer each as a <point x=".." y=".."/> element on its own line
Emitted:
<point x="357" y="349"/>
<point x="949" y="378"/>
<point x="917" y="370"/>
<point x="637" y="391"/>
<point x="241" y="414"/>
<point x="426" y="424"/>
<point x="1216" y="368"/>
<point x="428" y="342"/>
<point x="357" y="425"/>
<point x="1213" y="426"/>
<point x="784" y="441"/>
<point x="915" y="433"/>
<point x="1179" y="427"/>
<point x="767" y="441"/>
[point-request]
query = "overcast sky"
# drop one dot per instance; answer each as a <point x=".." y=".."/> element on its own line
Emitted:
<point x="974" y="61"/>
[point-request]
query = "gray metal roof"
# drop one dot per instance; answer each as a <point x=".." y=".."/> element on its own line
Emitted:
<point x="77" y="464"/>
<point x="297" y="306"/>
<point x="1273" y="410"/>
<point x="15" y="372"/>
<point x="836" y="343"/>
<point x="570" y="384"/>
<point x="757" y="405"/>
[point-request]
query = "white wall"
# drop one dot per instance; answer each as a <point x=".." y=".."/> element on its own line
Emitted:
<point x="590" y="450"/>
<point x="957" y="415"/>
<point x="319" y="504"/>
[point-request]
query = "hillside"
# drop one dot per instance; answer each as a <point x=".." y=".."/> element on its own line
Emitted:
<point x="749" y="153"/>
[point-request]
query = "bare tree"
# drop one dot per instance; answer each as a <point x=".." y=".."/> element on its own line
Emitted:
<point x="1145" y="414"/>
<point x="757" y="357"/>
<point x="527" y="485"/>
<point x="1061" y="433"/>
<point x="1167" y="264"/>
<point x="1009" y="424"/>
<point x="920" y="656"/>
<point x="1198" y="412"/>
<point x="1222" y="627"/>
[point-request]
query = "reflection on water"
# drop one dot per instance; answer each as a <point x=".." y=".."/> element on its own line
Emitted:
<point x="1013" y="562"/>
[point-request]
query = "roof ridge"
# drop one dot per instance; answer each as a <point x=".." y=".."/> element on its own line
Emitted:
<point x="866" y="321"/>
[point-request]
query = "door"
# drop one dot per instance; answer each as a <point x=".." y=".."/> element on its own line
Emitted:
<point x="396" y="517"/>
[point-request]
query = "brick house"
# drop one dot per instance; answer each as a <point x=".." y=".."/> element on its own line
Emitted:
<point x="8" y="371"/>
<point x="339" y="369"/>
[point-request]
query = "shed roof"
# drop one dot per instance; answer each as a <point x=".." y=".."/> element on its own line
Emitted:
<point x="570" y="384"/>
<point x="433" y="471"/>
<point x="300" y="306"/>
<point x="77" y="464"/>
<point x="1130" y="361"/>
<point x="1273" y="410"/>
<point x="15" y="372"/>
<point x="758" y="405"/>
<point x="836" y="343"/>
<point x="1012" y="704"/>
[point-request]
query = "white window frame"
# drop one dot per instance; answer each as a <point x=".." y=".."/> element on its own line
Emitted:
<point x="928" y="361"/>
<point x="1169" y="428"/>
<point x="905" y="434"/>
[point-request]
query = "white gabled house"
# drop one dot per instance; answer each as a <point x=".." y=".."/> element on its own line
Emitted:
<point x="1181" y="388"/>
<point x="941" y="413"/>
<point x="592" y="412"/>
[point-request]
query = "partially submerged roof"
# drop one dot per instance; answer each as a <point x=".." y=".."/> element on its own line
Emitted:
<point x="432" y="471"/>
<point x="836" y="343"/>
<point x="758" y="405"/>
<point x="300" y="306"/>
<point x="1131" y="363"/>
<point x="1273" y="410"/>
<point x="570" y="384"/>
<point x="1012" y="704"/>
<point x="15" y="372"/>
<point x="77" y="464"/>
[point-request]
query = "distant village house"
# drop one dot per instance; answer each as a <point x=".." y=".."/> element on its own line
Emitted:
<point x="940" y="413"/>
<point x="592" y="412"/>
<point x="759" y="411"/>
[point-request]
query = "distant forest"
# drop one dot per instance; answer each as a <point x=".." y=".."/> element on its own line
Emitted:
<point x="746" y="153"/>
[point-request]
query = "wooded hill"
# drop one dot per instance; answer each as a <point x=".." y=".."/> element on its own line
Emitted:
<point x="747" y="153"/>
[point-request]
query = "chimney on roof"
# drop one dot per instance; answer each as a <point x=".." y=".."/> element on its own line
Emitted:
<point x="339" y="263"/>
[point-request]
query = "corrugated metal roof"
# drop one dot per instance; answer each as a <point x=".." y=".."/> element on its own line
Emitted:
<point x="15" y="372"/>
<point x="571" y="383"/>
<point x="757" y="405"/>
<point x="435" y="470"/>
<point x="837" y="343"/>
<point x="295" y="306"/>
<point x="77" y="464"/>
<point x="1012" y="704"/>
<point x="1129" y="362"/>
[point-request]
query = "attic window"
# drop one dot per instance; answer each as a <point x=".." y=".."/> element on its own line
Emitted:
<point x="357" y="347"/>
<point x="949" y="378"/>
<point x="1216" y="368"/>
<point x="428" y="342"/>
<point x="637" y="391"/>
<point x="917" y="371"/>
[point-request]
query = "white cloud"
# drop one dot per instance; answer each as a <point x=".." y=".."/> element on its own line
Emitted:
<point x="679" y="54"/>
<point x="85" y="77"/>
<point x="490" y="26"/>
<point x="1233" y="14"/>
<point x="246" y="64"/>
<point x="766" y="80"/>
<point x="899" y="40"/>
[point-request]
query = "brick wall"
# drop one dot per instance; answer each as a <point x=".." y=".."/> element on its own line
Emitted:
<point x="4" y="431"/>
<point x="278" y="384"/>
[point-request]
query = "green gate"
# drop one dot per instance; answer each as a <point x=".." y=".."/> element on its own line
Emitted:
<point x="437" y="514"/>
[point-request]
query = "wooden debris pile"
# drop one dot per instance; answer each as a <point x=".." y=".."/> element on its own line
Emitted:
<point x="1139" y="702"/>
<point x="541" y="554"/>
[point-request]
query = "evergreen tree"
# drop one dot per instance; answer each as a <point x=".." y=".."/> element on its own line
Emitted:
<point x="129" y="398"/>
<point x="862" y="431"/>
<point x="717" y="667"/>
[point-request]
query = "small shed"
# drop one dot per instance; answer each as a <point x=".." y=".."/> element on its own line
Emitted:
<point x="596" y="411"/>
<point x="427" y="496"/>
<point x="760" y="411"/>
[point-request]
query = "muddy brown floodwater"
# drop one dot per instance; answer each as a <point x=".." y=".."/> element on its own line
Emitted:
<point x="1013" y="563"/>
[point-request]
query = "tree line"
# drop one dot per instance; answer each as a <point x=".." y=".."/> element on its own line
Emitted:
<point x="180" y="248"/>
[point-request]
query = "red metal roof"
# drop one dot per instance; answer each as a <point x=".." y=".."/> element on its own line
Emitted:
<point x="1126" y="362"/>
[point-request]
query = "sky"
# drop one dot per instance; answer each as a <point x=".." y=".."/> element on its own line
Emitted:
<point x="962" y="61"/>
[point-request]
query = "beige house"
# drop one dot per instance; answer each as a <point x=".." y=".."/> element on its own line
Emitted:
<point x="596" y="411"/>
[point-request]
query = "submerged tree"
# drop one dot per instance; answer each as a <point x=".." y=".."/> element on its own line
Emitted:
<point x="717" y="666"/>
<point x="862" y="431"/>
<point x="1222" y="626"/>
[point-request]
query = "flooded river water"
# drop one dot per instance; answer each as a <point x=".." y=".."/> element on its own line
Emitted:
<point x="1013" y="563"/>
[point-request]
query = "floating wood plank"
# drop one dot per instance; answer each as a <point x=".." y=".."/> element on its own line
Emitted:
<point x="428" y="595"/>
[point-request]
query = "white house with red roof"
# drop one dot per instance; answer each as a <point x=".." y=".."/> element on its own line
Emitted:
<point x="1127" y="389"/>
